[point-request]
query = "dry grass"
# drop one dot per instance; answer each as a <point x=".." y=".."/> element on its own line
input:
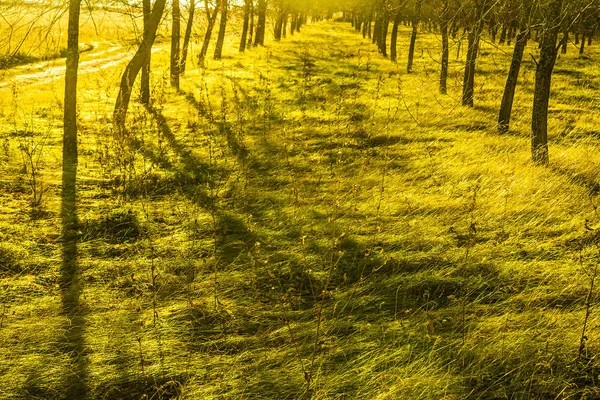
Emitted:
<point x="311" y="174"/>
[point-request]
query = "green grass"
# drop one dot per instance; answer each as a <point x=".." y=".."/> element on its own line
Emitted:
<point x="308" y="176"/>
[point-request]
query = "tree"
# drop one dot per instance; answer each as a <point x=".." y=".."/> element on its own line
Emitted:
<point x="543" y="79"/>
<point x="175" y="38"/>
<point x="474" y="30"/>
<point x="259" y="39"/>
<point x="186" y="38"/>
<point x="445" y="48"/>
<point x="212" y="18"/>
<point x="222" y="28"/>
<point x="251" y="29"/>
<point x="244" y="38"/>
<point x="145" y="84"/>
<point x="133" y="67"/>
<point x="70" y="104"/>
<point x="394" y="37"/>
<point x="515" y="68"/>
<point x="413" y="38"/>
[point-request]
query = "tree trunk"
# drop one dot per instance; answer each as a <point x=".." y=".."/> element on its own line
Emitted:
<point x="278" y="28"/>
<point x="133" y="68"/>
<point x="511" y="34"/>
<point x="293" y="24"/>
<point x="186" y="38"/>
<point x="209" y="28"/>
<point x="543" y="79"/>
<point x="145" y="83"/>
<point x="502" y="35"/>
<point x="222" y="28"/>
<point x="285" y="22"/>
<point x="251" y="29"/>
<point x="376" y="29"/>
<point x="244" y="38"/>
<point x="70" y="286"/>
<point x="469" y="77"/>
<point x="565" y="41"/>
<point x="175" y="39"/>
<point x="259" y="40"/>
<point x="583" y="32"/>
<point x="445" y="49"/>
<point x="384" y="31"/>
<point x="366" y="26"/>
<point x="413" y="36"/>
<point x="513" y="74"/>
<point x="394" y="38"/>
<point x="70" y="105"/>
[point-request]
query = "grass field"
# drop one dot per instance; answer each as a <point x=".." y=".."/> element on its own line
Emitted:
<point x="304" y="213"/>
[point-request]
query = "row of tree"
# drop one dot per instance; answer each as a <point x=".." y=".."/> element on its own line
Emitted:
<point x="550" y="23"/>
<point x="292" y="13"/>
<point x="285" y="12"/>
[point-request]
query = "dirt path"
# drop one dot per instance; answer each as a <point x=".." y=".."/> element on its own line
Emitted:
<point x="39" y="73"/>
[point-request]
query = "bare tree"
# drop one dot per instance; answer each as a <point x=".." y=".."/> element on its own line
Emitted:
<point x="543" y="79"/>
<point x="445" y="47"/>
<point x="145" y="84"/>
<point x="515" y="68"/>
<point x="259" y="39"/>
<point x="244" y="39"/>
<point x="187" y="36"/>
<point x="175" y="39"/>
<point x="133" y="67"/>
<point x="212" y="18"/>
<point x="413" y="37"/>
<point x="222" y="28"/>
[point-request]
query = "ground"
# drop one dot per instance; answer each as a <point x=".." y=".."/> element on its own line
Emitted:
<point x="304" y="220"/>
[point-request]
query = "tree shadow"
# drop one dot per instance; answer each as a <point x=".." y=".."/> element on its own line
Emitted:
<point x="232" y="236"/>
<point x="236" y="146"/>
<point x="72" y="344"/>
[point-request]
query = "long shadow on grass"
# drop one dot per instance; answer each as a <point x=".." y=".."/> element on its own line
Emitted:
<point x="231" y="234"/>
<point x="236" y="146"/>
<point x="72" y="344"/>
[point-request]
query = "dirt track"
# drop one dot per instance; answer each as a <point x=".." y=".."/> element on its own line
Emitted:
<point x="43" y="72"/>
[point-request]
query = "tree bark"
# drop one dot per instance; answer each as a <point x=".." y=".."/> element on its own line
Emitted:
<point x="145" y="83"/>
<point x="543" y="79"/>
<point x="186" y="38"/>
<point x="278" y="28"/>
<point x="502" y="35"/>
<point x="244" y="38"/>
<point x="133" y="68"/>
<point x="259" y="39"/>
<point x="75" y="386"/>
<point x="222" y="28"/>
<point x="469" y="78"/>
<point x="209" y="28"/>
<point x="513" y="74"/>
<point x="175" y="39"/>
<point x="70" y="104"/>
<point x="251" y="29"/>
<point x="445" y="49"/>
<point x="394" y="38"/>
<point x="385" y="24"/>
<point x="413" y="36"/>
